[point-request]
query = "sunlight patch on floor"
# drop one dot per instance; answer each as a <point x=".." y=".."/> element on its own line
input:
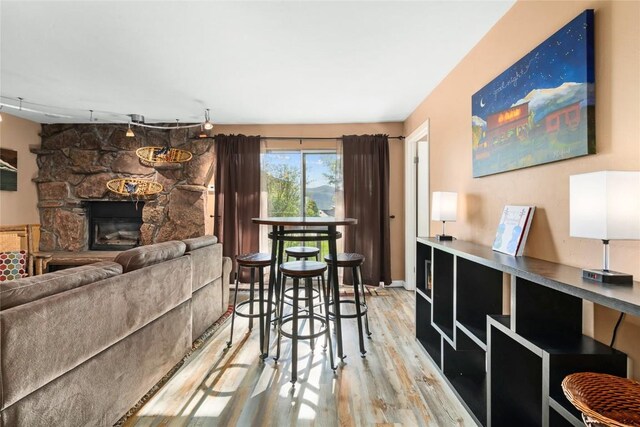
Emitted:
<point x="306" y="412"/>
<point x="229" y="381"/>
<point x="212" y="407"/>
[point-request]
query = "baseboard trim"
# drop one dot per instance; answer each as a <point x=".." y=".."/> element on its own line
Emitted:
<point x="397" y="284"/>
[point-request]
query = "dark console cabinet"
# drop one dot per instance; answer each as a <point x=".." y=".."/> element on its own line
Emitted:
<point x="504" y="331"/>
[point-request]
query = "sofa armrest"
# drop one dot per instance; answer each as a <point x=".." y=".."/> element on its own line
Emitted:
<point x="206" y="265"/>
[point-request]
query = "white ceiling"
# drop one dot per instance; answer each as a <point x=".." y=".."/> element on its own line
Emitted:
<point x="249" y="62"/>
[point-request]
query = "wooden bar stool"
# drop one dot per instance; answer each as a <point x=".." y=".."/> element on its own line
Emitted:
<point x="252" y="261"/>
<point x="305" y="270"/>
<point x="354" y="261"/>
<point x="603" y="399"/>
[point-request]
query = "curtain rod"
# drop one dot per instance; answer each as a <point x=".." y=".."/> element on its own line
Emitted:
<point x="301" y="138"/>
<point x="317" y="138"/>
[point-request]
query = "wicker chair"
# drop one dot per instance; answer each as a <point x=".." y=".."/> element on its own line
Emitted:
<point x="14" y="238"/>
<point x="604" y="400"/>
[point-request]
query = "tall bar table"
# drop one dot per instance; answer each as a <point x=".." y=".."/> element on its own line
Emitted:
<point x="325" y="228"/>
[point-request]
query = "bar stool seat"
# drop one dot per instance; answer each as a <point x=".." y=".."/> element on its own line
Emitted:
<point x="302" y="252"/>
<point x="305" y="271"/>
<point x="257" y="259"/>
<point x="354" y="261"/>
<point x="347" y="259"/>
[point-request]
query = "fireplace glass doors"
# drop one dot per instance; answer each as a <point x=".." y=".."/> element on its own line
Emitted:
<point x="114" y="225"/>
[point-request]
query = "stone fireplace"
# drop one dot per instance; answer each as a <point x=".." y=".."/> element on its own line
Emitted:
<point x="76" y="161"/>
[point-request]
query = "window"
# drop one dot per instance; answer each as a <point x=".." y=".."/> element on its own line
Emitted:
<point x="301" y="183"/>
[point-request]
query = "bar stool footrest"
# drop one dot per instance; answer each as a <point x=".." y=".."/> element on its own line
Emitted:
<point x="289" y="318"/>
<point x="288" y="294"/>
<point x="256" y="313"/>
<point x="363" y="309"/>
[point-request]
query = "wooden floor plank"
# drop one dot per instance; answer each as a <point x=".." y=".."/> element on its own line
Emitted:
<point x="396" y="384"/>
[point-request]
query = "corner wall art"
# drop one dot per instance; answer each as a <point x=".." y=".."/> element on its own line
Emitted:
<point x="542" y="108"/>
<point x="8" y="170"/>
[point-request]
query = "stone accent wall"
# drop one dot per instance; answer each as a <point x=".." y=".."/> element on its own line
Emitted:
<point x="76" y="161"/>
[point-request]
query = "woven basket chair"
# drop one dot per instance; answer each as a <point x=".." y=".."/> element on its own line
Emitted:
<point x="604" y="400"/>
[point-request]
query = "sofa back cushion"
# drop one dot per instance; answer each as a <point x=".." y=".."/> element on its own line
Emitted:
<point x="44" y="339"/>
<point x="144" y="256"/>
<point x="200" y="242"/>
<point x="22" y="291"/>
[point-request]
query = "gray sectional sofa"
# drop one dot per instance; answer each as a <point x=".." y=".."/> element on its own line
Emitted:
<point x="81" y="346"/>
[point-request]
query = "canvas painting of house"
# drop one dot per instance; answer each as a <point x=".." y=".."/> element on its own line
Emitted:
<point x="8" y="170"/>
<point x="541" y="109"/>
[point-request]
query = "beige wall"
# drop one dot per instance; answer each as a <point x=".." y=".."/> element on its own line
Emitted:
<point x="524" y="26"/>
<point x="396" y="160"/>
<point x="20" y="207"/>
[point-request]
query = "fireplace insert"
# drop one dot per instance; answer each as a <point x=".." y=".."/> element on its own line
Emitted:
<point x="114" y="225"/>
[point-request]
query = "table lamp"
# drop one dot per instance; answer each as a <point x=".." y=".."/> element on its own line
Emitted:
<point x="444" y="207"/>
<point x="605" y="205"/>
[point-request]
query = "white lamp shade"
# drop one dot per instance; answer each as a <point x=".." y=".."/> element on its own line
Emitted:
<point x="605" y="205"/>
<point x="444" y="206"/>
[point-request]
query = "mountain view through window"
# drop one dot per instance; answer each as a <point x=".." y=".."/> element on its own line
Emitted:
<point x="301" y="183"/>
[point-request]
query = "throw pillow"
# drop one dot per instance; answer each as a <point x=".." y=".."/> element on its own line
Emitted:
<point x="13" y="265"/>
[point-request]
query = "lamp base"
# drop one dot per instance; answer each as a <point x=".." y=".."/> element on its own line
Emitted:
<point x="444" y="237"/>
<point x="608" y="276"/>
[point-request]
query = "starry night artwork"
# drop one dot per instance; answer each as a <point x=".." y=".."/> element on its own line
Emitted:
<point x="541" y="109"/>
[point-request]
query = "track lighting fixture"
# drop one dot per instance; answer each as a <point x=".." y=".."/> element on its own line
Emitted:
<point x="78" y="116"/>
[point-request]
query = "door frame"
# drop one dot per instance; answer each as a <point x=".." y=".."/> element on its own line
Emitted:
<point x="421" y="134"/>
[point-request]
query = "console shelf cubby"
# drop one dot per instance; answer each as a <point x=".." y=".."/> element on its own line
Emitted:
<point x="505" y="331"/>
<point x="465" y="369"/>
<point x="443" y="316"/>
<point x="423" y="270"/>
<point x="479" y="292"/>
<point x="428" y="336"/>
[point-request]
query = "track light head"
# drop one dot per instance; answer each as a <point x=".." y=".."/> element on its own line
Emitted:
<point x="202" y="133"/>
<point x="130" y="133"/>
<point x="207" y="120"/>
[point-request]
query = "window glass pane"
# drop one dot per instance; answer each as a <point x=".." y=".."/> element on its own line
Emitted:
<point x="321" y="179"/>
<point x="301" y="182"/>
<point x="283" y="172"/>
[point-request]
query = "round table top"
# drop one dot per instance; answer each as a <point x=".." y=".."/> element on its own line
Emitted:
<point x="300" y="221"/>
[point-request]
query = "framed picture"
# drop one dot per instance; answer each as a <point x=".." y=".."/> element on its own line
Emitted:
<point x="541" y="109"/>
<point x="8" y="170"/>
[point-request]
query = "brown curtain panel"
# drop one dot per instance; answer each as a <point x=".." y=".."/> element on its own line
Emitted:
<point x="366" y="198"/>
<point x="237" y="194"/>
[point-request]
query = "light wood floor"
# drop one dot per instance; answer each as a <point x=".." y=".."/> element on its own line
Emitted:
<point x="396" y="384"/>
